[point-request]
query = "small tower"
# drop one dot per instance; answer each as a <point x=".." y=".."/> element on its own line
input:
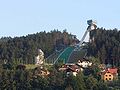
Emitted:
<point x="92" y="26"/>
<point x="39" y="60"/>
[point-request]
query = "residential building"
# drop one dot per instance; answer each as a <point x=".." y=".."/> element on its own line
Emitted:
<point x="84" y="63"/>
<point x="70" y="69"/>
<point x="109" y="74"/>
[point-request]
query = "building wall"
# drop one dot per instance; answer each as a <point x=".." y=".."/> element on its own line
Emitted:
<point x="108" y="77"/>
<point x="85" y="64"/>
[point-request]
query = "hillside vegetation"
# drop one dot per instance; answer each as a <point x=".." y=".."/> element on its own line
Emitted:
<point x="24" y="49"/>
<point x="105" y="45"/>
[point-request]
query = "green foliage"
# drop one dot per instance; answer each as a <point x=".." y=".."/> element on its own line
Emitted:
<point x="30" y="66"/>
<point x="102" y="85"/>
<point x="39" y="83"/>
<point x="70" y="82"/>
<point x="24" y="49"/>
<point x="56" y="79"/>
<point x="79" y="82"/>
<point x="8" y="66"/>
<point x="75" y="83"/>
<point x="105" y="45"/>
<point x="91" y="82"/>
<point x="95" y="61"/>
<point x="25" y="79"/>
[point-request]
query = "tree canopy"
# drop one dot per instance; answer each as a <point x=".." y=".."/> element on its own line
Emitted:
<point x="24" y="49"/>
<point x="105" y="45"/>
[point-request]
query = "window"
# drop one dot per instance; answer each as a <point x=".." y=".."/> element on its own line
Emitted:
<point x="109" y="78"/>
<point x="106" y="78"/>
<point x="106" y="75"/>
<point x="109" y="75"/>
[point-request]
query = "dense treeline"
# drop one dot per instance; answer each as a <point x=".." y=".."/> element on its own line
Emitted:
<point x="24" y="49"/>
<point x="105" y="45"/>
<point x="20" y="78"/>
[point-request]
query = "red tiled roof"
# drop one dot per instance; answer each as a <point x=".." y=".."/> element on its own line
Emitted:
<point x="112" y="70"/>
<point x="109" y="70"/>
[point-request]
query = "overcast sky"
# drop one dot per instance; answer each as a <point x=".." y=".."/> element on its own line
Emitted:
<point x="22" y="17"/>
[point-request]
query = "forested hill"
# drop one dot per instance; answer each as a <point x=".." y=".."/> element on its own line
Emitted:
<point x="105" y="44"/>
<point x="24" y="49"/>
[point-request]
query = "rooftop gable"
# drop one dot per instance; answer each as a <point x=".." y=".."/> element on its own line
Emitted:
<point x="112" y="70"/>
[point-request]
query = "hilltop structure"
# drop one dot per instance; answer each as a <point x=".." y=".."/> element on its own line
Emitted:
<point x="72" y="53"/>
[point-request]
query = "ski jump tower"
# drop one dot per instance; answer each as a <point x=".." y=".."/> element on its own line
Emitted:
<point x="91" y="26"/>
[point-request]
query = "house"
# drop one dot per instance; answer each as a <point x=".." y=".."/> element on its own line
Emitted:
<point x="84" y="63"/>
<point x="70" y="69"/>
<point x="109" y="74"/>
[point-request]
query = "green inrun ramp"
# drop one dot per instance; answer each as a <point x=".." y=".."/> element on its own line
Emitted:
<point x="65" y="54"/>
